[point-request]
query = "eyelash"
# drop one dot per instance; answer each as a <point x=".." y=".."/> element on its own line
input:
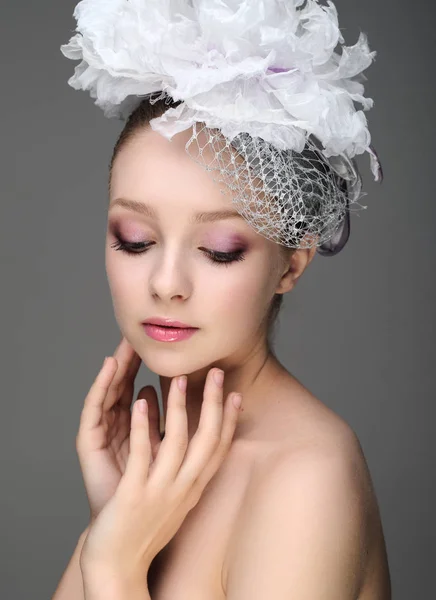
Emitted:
<point x="217" y="258"/>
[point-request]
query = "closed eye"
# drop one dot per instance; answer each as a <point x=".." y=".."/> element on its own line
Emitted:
<point x="137" y="248"/>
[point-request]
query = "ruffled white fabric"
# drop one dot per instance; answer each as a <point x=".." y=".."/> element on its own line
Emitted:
<point x="265" y="67"/>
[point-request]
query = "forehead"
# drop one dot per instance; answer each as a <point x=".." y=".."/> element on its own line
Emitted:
<point x="151" y="166"/>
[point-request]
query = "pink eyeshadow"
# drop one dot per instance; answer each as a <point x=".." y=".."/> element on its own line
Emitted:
<point x="128" y="230"/>
<point x="229" y="243"/>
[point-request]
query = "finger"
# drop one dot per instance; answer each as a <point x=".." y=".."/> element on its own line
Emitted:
<point x="149" y="393"/>
<point x="138" y="462"/>
<point x="127" y="386"/>
<point x="208" y="435"/>
<point x="93" y="405"/>
<point x="173" y="446"/>
<point x="124" y="355"/>
<point x="231" y="414"/>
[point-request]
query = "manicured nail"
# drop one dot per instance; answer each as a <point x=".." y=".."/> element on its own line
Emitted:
<point x="143" y="406"/>
<point x="219" y="378"/>
<point x="181" y="382"/>
<point x="237" y="401"/>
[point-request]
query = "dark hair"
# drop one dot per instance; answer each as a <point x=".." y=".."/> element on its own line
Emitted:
<point x="139" y="118"/>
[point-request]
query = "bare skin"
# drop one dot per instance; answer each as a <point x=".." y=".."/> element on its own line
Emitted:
<point x="197" y="563"/>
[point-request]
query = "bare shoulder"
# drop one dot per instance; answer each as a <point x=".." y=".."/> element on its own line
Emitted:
<point x="312" y="489"/>
<point x="322" y="454"/>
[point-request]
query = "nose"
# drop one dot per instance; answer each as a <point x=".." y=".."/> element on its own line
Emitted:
<point x="169" y="279"/>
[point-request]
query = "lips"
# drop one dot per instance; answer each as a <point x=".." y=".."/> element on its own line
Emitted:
<point x="168" y="323"/>
<point x="169" y="334"/>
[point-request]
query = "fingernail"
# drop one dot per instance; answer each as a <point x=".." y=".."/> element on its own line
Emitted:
<point x="237" y="400"/>
<point x="219" y="378"/>
<point x="105" y="361"/>
<point x="181" y="382"/>
<point x="142" y="405"/>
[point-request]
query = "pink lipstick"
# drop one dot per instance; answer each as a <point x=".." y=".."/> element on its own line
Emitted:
<point x="168" y="330"/>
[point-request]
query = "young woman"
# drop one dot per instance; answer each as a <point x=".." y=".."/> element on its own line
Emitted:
<point x="271" y="499"/>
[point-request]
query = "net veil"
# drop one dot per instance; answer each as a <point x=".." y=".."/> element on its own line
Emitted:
<point x="295" y="199"/>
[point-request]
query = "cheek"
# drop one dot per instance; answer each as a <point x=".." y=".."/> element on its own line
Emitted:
<point x="239" y="297"/>
<point x="123" y="276"/>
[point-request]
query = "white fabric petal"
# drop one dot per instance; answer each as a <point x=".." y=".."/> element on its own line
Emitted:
<point x="265" y="67"/>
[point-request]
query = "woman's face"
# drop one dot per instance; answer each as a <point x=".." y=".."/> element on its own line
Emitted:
<point x="172" y="273"/>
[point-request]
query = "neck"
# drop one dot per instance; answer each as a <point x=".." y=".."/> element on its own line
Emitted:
<point x="251" y="375"/>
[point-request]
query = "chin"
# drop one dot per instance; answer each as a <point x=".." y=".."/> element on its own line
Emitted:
<point x="171" y="359"/>
<point x="169" y="362"/>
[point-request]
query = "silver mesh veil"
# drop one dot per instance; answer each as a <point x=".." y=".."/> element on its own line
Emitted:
<point x="297" y="199"/>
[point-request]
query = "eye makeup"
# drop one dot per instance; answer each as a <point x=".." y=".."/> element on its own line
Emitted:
<point x="216" y="256"/>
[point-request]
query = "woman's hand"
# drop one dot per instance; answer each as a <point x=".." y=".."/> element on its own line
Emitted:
<point x="153" y="498"/>
<point x="103" y="442"/>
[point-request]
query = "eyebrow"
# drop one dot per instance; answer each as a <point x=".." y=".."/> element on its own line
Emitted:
<point x="148" y="211"/>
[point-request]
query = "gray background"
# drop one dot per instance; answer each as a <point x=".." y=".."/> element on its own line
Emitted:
<point x="358" y="330"/>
